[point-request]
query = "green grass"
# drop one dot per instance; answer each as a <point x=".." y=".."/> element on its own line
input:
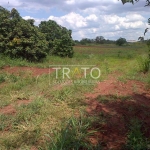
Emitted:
<point x="72" y="136"/>
<point x="136" y="139"/>
<point x="52" y="110"/>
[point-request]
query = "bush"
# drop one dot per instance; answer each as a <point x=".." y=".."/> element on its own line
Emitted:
<point x="19" y="38"/>
<point x="121" y="41"/>
<point x="58" y="37"/>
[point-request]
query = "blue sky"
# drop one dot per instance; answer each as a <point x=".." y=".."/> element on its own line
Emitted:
<point x="88" y="18"/>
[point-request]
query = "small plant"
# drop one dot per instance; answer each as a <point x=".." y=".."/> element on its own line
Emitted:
<point x="73" y="136"/>
<point x="2" y="78"/>
<point x="136" y="139"/>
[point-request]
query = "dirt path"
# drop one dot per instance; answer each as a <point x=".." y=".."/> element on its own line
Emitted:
<point x="117" y="103"/>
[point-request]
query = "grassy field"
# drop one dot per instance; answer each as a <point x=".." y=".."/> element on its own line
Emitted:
<point x="36" y="115"/>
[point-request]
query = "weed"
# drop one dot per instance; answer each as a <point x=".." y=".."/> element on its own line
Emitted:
<point x="5" y="121"/>
<point x="136" y="139"/>
<point x="2" y="78"/>
<point x="144" y="64"/>
<point x="73" y="136"/>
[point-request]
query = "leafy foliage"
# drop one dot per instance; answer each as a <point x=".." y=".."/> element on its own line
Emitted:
<point x="58" y="37"/>
<point x="100" y="39"/>
<point x="97" y="40"/>
<point x="20" y="38"/>
<point x="121" y="41"/>
<point x="73" y="136"/>
<point x="136" y="139"/>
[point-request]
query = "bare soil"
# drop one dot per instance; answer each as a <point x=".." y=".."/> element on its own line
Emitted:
<point x="10" y="109"/>
<point x="33" y="70"/>
<point x="118" y="103"/>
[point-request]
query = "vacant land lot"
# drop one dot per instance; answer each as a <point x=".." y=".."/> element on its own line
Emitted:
<point x="112" y="114"/>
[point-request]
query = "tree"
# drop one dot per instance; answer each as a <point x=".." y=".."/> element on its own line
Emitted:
<point x="20" y="39"/>
<point x="100" y="40"/>
<point x="85" y="41"/>
<point x="59" y="38"/>
<point x="121" y="41"/>
<point x="133" y="1"/>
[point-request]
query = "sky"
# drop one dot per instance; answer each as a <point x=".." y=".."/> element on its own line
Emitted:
<point x="88" y="18"/>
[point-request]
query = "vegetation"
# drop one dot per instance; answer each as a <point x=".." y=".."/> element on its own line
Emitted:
<point x="147" y="60"/>
<point x="43" y="114"/>
<point x="58" y="38"/>
<point x="96" y="41"/>
<point x="37" y="115"/>
<point x="136" y="139"/>
<point x="121" y="41"/>
<point x="21" y="39"/>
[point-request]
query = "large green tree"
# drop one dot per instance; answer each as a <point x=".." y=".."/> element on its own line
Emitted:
<point x="59" y="38"/>
<point x="20" y="38"/>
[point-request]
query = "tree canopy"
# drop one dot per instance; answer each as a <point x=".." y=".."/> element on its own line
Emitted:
<point x="58" y="37"/>
<point x="147" y="2"/>
<point x="20" y="38"/>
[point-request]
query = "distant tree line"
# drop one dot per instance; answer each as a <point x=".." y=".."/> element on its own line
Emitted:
<point x="20" y="38"/>
<point x="97" y="40"/>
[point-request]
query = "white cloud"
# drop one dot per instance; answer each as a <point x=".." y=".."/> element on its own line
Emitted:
<point x="92" y="17"/>
<point x="134" y="17"/>
<point x="111" y="26"/>
<point x="88" y="18"/>
<point x="37" y="21"/>
<point x="71" y="20"/>
<point x="113" y="19"/>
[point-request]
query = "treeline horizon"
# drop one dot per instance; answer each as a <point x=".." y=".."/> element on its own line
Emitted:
<point x="97" y="40"/>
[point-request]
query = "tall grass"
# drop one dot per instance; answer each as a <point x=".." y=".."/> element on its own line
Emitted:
<point x="144" y="64"/>
<point x="73" y="136"/>
<point x="136" y="139"/>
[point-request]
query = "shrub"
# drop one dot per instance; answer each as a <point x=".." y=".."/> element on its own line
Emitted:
<point x="58" y="37"/>
<point x="121" y="41"/>
<point x="19" y="38"/>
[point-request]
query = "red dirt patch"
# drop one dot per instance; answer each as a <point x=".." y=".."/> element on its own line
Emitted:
<point x="23" y="102"/>
<point x="34" y="71"/>
<point x="118" y="103"/>
<point x="33" y="148"/>
<point x="10" y="110"/>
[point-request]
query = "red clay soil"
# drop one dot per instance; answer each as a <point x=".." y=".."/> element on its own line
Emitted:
<point x="10" y="110"/>
<point x="35" y="71"/>
<point x="126" y="101"/>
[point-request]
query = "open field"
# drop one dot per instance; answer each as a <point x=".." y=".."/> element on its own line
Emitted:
<point x="113" y="114"/>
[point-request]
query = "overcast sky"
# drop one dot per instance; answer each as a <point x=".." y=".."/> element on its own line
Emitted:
<point x="88" y="18"/>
